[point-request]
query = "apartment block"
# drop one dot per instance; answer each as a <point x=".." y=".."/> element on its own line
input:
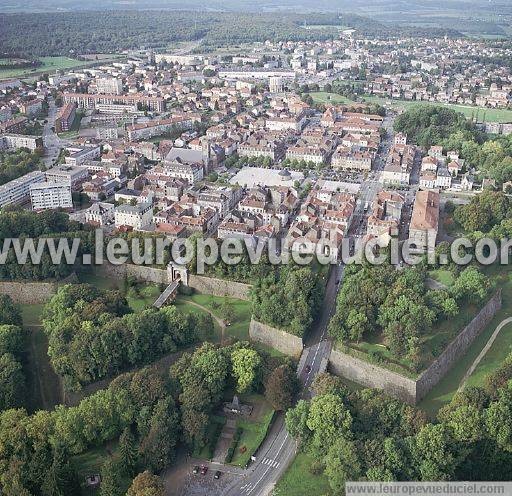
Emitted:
<point x="15" y="141"/>
<point x="17" y="191"/>
<point x="50" y="195"/>
<point x="65" y="118"/>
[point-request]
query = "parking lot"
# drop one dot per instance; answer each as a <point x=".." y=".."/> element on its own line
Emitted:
<point x="181" y="481"/>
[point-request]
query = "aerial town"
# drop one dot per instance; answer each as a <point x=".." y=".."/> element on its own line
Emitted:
<point x="150" y="379"/>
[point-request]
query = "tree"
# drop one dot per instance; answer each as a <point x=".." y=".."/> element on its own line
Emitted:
<point x="227" y="312"/>
<point x="466" y="423"/>
<point x="435" y="453"/>
<point x="128" y="452"/>
<point x="10" y="313"/>
<point x="329" y="420"/>
<point x="342" y="463"/>
<point x="296" y="421"/>
<point x="484" y="211"/>
<point x="146" y="484"/>
<point x="329" y="384"/>
<point x="245" y="362"/>
<point x="12" y="340"/>
<point x="498" y="419"/>
<point x="111" y="478"/>
<point x="12" y="382"/>
<point x="61" y="478"/>
<point x="471" y="285"/>
<point x="281" y="387"/>
<point x="157" y="448"/>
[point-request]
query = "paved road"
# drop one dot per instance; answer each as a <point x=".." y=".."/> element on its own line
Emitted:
<point x="279" y="449"/>
<point x="53" y="144"/>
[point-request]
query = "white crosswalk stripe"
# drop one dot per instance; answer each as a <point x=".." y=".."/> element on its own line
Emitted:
<point x="271" y="463"/>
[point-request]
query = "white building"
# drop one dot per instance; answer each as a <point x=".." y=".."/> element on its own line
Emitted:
<point x="49" y="195"/>
<point x="74" y="176"/>
<point x="109" y="86"/>
<point x="15" y="141"/>
<point x="18" y="191"/>
<point x="80" y="155"/>
<point x="192" y="172"/>
<point x="276" y="84"/>
<point x="100" y="214"/>
<point x="136" y="216"/>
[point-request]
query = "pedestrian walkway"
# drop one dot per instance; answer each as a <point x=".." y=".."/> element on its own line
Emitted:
<point x="484" y="351"/>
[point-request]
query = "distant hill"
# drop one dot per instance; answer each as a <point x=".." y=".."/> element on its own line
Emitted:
<point x="491" y="18"/>
<point x="360" y="6"/>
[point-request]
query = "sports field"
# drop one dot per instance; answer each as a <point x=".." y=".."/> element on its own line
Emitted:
<point x="49" y="65"/>
<point x="481" y="114"/>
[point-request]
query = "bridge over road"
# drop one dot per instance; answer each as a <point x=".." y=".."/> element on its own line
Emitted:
<point x="169" y="293"/>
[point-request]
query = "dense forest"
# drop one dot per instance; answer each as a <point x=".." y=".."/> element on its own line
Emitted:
<point x="148" y="414"/>
<point x="98" y="32"/>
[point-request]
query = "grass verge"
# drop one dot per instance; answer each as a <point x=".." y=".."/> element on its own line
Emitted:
<point x="300" y="480"/>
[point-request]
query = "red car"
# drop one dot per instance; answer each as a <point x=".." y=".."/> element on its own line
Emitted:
<point x="204" y="469"/>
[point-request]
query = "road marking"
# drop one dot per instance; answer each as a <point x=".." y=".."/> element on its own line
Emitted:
<point x="266" y="471"/>
<point x="272" y="463"/>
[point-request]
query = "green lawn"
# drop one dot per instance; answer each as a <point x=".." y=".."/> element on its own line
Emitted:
<point x="333" y="98"/>
<point x="253" y="430"/>
<point x="443" y="333"/>
<point x="442" y="276"/>
<point x="140" y="297"/>
<point x="239" y="328"/>
<point x="43" y="384"/>
<point x="143" y="296"/>
<point x="184" y="306"/>
<point x="101" y="282"/>
<point x="481" y="113"/>
<point x="299" y="480"/>
<point x="50" y="65"/>
<point x="500" y="349"/>
<point x="31" y="314"/>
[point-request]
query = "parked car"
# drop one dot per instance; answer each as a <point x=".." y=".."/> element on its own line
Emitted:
<point x="195" y="470"/>
<point x="217" y="474"/>
<point x="204" y="469"/>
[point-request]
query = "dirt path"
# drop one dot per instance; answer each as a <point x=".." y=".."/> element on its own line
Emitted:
<point x="217" y="319"/>
<point x="484" y="351"/>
